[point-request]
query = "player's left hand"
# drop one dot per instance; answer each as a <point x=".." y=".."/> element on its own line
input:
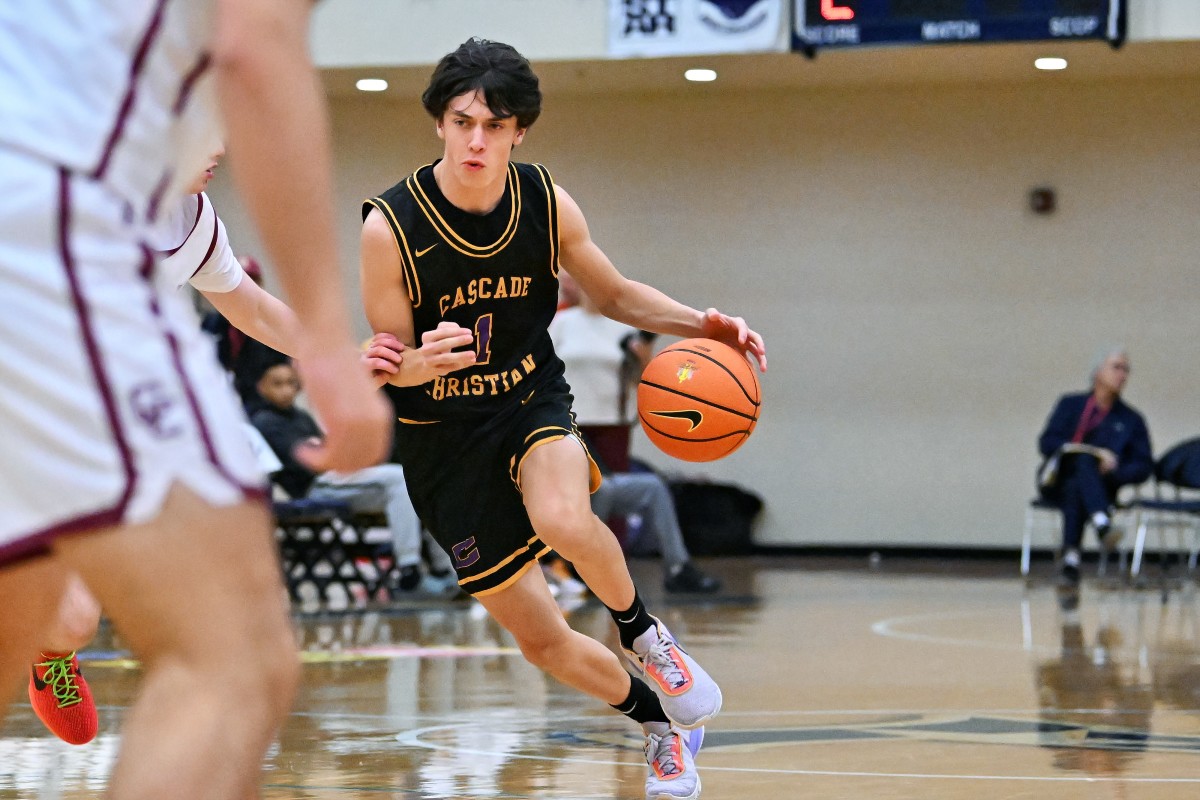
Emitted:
<point x="733" y="331"/>
<point x="383" y="356"/>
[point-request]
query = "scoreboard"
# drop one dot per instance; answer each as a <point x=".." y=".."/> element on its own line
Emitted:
<point x="841" y="23"/>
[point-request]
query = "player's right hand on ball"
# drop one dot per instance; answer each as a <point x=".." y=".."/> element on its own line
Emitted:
<point x="734" y="332"/>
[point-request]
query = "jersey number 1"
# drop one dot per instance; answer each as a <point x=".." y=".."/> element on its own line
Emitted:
<point x="483" y="339"/>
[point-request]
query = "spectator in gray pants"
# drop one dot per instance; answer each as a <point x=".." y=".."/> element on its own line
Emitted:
<point x="603" y="359"/>
<point x="380" y="488"/>
<point x="646" y="494"/>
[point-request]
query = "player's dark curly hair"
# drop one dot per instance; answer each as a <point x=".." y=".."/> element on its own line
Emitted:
<point x="509" y="86"/>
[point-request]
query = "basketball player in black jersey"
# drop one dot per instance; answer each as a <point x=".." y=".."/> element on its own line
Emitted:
<point x="462" y="256"/>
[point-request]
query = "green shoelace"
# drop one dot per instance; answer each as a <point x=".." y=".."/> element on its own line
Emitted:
<point x="60" y="680"/>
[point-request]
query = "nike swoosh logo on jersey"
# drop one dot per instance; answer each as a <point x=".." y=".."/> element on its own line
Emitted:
<point x="426" y="250"/>
<point x="693" y="417"/>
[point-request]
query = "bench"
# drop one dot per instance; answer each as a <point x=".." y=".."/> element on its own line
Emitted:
<point x="324" y="542"/>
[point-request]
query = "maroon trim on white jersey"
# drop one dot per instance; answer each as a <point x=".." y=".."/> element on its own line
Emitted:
<point x="38" y="542"/>
<point x="189" y="82"/>
<point x="185" y="381"/>
<point x="135" y="71"/>
<point x="195" y="222"/>
<point x="212" y="245"/>
<point x="100" y="374"/>
<point x="156" y="196"/>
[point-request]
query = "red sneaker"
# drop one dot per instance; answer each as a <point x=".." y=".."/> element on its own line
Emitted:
<point x="62" y="700"/>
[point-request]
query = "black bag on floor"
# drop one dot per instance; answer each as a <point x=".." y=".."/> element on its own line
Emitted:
<point x="715" y="517"/>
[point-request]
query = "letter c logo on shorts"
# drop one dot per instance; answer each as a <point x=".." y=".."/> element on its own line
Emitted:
<point x="155" y="408"/>
<point x="465" y="553"/>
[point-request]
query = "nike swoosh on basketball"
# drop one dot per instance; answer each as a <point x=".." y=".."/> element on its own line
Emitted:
<point x="693" y="417"/>
<point x="426" y="250"/>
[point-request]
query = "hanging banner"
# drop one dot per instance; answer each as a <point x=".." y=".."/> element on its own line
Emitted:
<point x="651" y="28"/>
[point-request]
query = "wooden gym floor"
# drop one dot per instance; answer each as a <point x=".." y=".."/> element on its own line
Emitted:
<point x="951" y="681"/>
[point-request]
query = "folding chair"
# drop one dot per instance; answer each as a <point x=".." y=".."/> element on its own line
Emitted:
<point x="1044" y="516"/>
<point x="307" y="533"/>
<point x="1036" y="518"/>
<point x="1178" y="516"/>
<point x="325" y="542"/>
<point x="1174" y="508"/>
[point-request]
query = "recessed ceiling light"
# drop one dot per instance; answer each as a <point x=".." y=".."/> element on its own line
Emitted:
<point x="702" y="75"/>
<point x="1050" y="63"/>
<point x="372" y="85"/>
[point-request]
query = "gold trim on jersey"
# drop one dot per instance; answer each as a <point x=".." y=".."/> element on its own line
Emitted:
<point x="516" y="577"/>
<point x="545" y="428"/>
<point x="514" y="466"/>
<point x="595" y="478"/>
<point x="407" y="421"/>
<point x="407" y="262"/>
<point x="500" y="565"/>
<point x="450" y="236"/>
<point x="552" y="214"/>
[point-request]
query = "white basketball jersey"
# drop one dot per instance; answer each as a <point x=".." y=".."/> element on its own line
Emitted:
<point x="119" y="91"/>
<point x="195" y="248"/>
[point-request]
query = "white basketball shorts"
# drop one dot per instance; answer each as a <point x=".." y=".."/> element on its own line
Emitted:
<point x="109" y="391"/>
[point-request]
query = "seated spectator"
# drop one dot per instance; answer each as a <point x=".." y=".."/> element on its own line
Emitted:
<point x="1093" y="444"/>
<point x="380" y="488"/>
<point x="604" y="359"/>
<point x="647" y="495"/>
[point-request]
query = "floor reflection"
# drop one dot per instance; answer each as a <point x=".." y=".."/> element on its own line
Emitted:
<point x="1120" y="658"/>
<point x="838" y="683"/>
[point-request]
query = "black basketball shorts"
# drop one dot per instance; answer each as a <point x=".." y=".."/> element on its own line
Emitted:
<point x="464" y="480"/>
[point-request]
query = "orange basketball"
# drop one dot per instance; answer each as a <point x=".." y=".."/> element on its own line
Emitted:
<point x="698" y="400"/>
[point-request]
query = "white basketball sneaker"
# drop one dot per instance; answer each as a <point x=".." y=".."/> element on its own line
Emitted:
<point x="688" y="695"/>
<point x="670" y="754"/>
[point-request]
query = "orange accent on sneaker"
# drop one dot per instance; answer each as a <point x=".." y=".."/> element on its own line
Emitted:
<point x="62" y="700"/>
<point x="676" y="762"/>
<point x="657" y="674"/>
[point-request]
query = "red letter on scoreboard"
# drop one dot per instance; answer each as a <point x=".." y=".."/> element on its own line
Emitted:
<point x="832" y="12"/>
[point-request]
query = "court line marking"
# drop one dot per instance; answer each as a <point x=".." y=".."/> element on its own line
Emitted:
<point x="726" y="714"/>
<point x="887" y="627"/>
<point x="120" y="660"/>
<point x="413" y="738"/>
<point x="422" y="793"/>
<point x="450" y="716"/>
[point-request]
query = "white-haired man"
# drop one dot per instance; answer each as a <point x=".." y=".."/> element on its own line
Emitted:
<point x="1096" y="443"/>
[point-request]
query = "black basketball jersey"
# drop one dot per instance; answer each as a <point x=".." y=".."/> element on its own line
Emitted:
<point x="495" y="274"/>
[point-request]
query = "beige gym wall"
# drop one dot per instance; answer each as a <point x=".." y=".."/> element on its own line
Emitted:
<point x="920" y="319"/>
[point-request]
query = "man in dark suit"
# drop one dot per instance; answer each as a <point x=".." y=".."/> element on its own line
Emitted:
<point x="1093" y="444"/>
